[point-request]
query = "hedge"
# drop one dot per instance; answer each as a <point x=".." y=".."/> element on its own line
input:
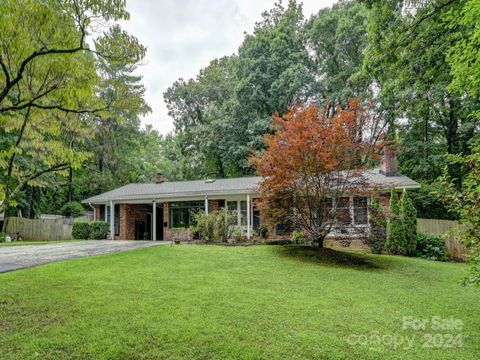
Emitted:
<point x="94" y="230"/>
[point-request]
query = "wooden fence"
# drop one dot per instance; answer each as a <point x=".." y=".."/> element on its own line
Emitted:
<point x="40" y="229"/>
<point x="447" y="229"/>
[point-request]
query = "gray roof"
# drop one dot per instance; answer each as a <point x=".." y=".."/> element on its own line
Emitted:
<point x="232" y="186"/>
<point x="174" y="189"/>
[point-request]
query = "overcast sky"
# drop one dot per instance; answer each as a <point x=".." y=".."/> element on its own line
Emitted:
<point x="183" y="36"/>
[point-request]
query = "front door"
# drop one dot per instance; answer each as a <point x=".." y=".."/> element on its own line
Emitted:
<point x="139" y="230"/>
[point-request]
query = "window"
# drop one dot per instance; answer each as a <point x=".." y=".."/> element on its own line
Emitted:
<point x="116" y="220"/>
<point x="343" y="211"/>
<point x="181" y="213"/>
<point x="243" y="213"/>
<point x="360" y="210"/>
<point x="232" y="206"/>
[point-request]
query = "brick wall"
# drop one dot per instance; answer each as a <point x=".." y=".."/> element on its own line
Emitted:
<point x="128" y="214"/>
<point x="97" y="212"/>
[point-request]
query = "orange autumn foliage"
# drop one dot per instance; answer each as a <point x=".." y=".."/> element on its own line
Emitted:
<point x="310" y="158"/>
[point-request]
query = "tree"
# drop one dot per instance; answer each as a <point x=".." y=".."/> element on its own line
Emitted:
<point x="378" y="226"/>
<point x="466" y="202"/>
<point x="464" y="55"/>
<point x="310" y="162"/>
<point x="235" y="96"/>
<point x="407" y="57"/>
<point x="408" y="215"/>
<point x="395" y="228"/>
<point x="336" y="39"/>
<point x="49" y="85"/>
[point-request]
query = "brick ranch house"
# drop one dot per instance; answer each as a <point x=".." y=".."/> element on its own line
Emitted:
<point x="163" y="210"/>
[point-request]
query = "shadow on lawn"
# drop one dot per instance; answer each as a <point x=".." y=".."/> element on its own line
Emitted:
<point x="332" y="258"/>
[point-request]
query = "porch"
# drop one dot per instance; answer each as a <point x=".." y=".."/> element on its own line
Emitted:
<point x="168" y="219"/>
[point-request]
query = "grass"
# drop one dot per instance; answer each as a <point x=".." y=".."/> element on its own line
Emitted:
<point x="259" y="302"/>
<point x="18" y="243"/>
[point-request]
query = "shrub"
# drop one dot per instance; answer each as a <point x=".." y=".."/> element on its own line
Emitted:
<point x="98" y="230"/>
<point x="94" y="230"/>
<point x="263" y="230"/>
<point x="72" y="209"/>
<point x="395" y="243"/>
<point x="431" y="247"/>
<point x="408" y="215"/>
<point x="237" y="234"/>
<point x="203" y="226"/>
<point x="278" y="242"/>
<point x="81" y="230"/>
<point x="298" y="237"/>
<point x="2" y="236"/>
<point x="215" y="226"/>
<point x="378" y="227"/>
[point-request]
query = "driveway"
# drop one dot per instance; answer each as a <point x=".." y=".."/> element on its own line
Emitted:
<point x="24" y="256"/>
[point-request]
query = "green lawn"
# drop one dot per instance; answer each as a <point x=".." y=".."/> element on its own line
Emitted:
<point x="234" y="302"/>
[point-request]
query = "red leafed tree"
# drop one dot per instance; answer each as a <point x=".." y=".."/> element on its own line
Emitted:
<point x="311" y="163"/>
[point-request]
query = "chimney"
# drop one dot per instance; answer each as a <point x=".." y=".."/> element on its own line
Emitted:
<point x="159" y="178"/>
<point x="388" y="165"/>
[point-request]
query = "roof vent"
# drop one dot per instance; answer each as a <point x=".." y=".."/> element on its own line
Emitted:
<point x="209" y="181"/>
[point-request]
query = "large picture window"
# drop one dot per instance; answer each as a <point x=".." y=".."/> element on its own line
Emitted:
<point x="181" y="213"/>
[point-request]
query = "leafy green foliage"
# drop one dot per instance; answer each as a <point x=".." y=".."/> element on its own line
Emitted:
<point x="93" y="230"/>
<point x="466" y="202"/>
<point x="428" y="202"/>
<point x="81" y="230"/>
<point x="98" y="230"/>
<point x="408" y="215"/>
<point x="216" y="226"/>
<point x="395" y="243"/>
<point x="73" y="209"/>
<point x="464" y="55"/>
<point x="50" y="85"/>
<point x="430" y="247"/>
<point x="378" y="227"/>
<point x="263" y="230"/>
<point x="298" y="237"/>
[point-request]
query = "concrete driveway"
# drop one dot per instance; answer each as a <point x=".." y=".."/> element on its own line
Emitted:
<point x="24" y="256"/>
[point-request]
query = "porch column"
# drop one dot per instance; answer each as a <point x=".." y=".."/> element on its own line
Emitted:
<point x="94" y="213"/>
<point x="154" y="220"/>
<point x="106" y="212"/>
<point x="206" y="204"/>
<point x="249" y="231"/>
<point x="112" y="220"/>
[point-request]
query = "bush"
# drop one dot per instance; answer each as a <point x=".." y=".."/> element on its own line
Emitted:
<point x="95" y="230"/>
<point x="216" y="226"/>
<point x="237" y="234"/>
<point x="278" y="242"/>
<point x="378" y="227"/>
<point x="2" y="236"/>
<point x="98" y="230"/>
<point x="431" y="247"/>
<point x="395" y="229"/>
<point x="72" y="209"/>
<point x="298" y="237"/>
<point x="81" y="230"/>
<point x="408" y="214"/>
<point x="263" y="230"/>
